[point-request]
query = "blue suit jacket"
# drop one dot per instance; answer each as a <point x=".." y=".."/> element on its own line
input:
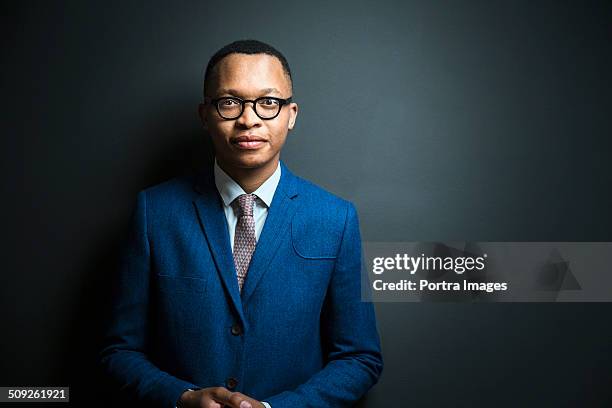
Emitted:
<point x="297" y="335"/>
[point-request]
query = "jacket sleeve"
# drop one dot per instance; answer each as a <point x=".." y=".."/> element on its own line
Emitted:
<point x="124" y="350"/>
<point x="354" y="358"/>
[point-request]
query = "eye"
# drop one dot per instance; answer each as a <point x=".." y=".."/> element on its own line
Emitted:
<point x="228" y="102"/>
<point x="268" y="102"/>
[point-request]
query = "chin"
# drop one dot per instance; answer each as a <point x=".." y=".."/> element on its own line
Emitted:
<point x="251" y="161"/>
<point x="255" y="164"/>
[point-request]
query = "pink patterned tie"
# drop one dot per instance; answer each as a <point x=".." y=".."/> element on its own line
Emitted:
<point x="244" y="237"/>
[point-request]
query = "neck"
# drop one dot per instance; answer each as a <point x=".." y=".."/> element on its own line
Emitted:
<point x="250" y="178"/>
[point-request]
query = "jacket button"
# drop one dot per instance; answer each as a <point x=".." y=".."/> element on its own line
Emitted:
<point x="231" y="383"/>
<point x="236" y="330"/>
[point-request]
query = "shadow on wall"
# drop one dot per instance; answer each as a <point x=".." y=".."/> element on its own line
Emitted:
<point x="187" y="151"/>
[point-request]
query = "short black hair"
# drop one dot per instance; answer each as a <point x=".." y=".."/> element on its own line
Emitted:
<point x="245" y="47"/>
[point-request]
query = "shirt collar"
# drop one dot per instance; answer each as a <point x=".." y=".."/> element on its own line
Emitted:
<point x="230" y="190"/>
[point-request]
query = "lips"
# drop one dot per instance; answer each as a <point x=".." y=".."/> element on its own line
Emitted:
<point x="248" y="142"/>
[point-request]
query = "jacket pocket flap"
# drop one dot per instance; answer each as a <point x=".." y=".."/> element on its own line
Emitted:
<point x="312" y="242"/>
<point x="181" y="284"/>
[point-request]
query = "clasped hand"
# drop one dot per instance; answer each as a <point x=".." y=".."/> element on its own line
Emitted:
<point x="217" y="397"/>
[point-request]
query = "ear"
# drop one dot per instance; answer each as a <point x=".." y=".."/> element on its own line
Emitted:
<point x="202" y="110"/>
<point x="293" y="112"/>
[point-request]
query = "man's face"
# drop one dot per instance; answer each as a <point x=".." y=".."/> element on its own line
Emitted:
<point x="248" y="142"/>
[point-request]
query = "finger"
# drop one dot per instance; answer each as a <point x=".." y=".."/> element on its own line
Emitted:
<point x="233" y="400"/>
<point x="208" y="402"/>
<point x="221" y="394"/>
<point x="240" y="400"/>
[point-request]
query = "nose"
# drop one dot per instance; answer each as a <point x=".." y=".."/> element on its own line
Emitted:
<point x="248" y="118"/>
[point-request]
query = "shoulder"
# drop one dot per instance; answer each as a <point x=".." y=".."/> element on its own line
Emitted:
<point x="321" y="221"/>
<point x="321" y="201"/>
<point x="322" y="210"/>
<point x="170" y="196"/>
<point x="176" y="186"/>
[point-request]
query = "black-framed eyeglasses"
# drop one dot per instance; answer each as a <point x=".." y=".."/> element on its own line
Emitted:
<point x="266" y="107"/>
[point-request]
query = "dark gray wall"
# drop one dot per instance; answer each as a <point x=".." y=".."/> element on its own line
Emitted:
<point x="449" y="120"/>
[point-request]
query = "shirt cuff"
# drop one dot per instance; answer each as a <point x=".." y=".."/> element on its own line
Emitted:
<point x="190" y="389"/>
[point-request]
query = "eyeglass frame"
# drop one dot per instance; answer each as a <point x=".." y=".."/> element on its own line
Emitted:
<point x="282" y="102"/>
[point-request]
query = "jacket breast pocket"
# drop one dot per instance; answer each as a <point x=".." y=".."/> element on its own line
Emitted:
<point x="311" y="240"/>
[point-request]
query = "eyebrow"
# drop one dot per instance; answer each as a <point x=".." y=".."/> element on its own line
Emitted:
<point x="238" y="93"/>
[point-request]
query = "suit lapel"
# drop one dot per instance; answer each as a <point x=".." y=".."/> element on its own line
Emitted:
<point x="212" y="220"/>
<point x="277" y="222"/>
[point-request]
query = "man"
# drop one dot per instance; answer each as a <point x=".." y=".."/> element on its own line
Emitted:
<point x="241" y="287"/>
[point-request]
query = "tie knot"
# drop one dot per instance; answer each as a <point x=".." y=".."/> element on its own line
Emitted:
<point x="245" y="205"/>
